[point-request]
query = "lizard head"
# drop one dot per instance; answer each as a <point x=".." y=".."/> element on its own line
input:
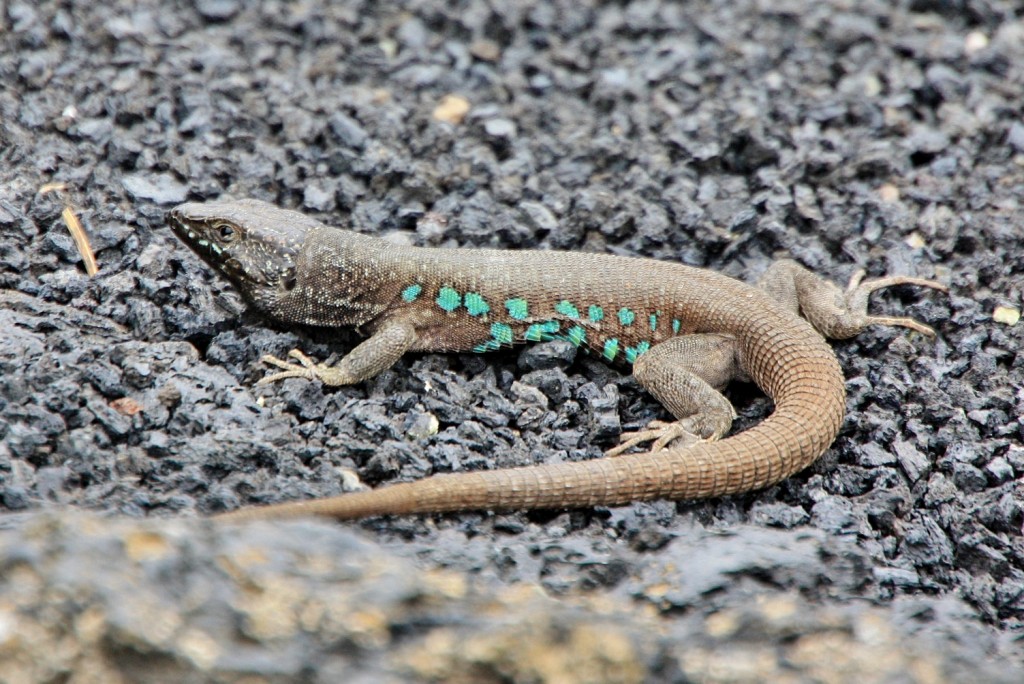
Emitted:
<point x="253" y="243"/>
<point x="286" y="264"/>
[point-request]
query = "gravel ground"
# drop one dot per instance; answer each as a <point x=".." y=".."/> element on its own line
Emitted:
<point x="720" y="134"/>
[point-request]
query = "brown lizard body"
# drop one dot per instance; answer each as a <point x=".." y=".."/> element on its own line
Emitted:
<point x="686" y="331"/>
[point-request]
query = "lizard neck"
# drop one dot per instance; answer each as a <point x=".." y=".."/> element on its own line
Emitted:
<point x="339" y="278"/>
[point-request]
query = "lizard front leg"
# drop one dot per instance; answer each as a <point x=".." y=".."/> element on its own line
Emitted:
<point x="369" y="358"/>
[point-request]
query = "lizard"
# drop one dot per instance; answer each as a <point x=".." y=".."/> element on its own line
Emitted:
<point x="686" y="332"/>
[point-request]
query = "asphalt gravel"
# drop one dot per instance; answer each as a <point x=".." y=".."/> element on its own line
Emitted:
<point x="722" y="134"/>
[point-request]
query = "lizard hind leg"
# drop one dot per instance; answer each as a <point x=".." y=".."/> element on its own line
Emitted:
<point x="833" y="312"/>
<point x="858" y="290"/>
<point x="685" y="374"/>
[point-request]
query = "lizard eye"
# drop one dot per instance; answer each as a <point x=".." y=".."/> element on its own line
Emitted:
<point x="225" y="232"/>
<point x="288" y="282"/>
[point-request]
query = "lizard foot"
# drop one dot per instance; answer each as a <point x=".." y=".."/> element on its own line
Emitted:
<point x="857" y="295"/>
<point x="661" y="433"/>
<point x="305" y="368"/>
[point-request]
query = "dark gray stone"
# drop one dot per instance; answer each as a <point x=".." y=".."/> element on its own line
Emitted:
<point x="649" y="129"/>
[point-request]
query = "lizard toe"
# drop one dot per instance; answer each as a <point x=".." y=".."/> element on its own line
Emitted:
<point x="306" y="368"/>
<point x="662" y="434"/>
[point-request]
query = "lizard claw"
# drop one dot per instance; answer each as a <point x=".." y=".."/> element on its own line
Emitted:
<point x="661" y="433"/>
<point x="306" y="368"/>
<point x="858" y="290"/>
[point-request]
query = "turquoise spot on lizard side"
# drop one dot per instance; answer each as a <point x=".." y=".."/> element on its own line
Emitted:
<point x="633" y="353"/>
<point x="475" y="304"/>
<point x="611" y="348"/>
<point x="595" y="313"/>
<point x="566" y="308"/>
<point x="626" y="316"/>
<point x="501" y="333"/>
<point x="654" y="322"/>
<point x="577" y="335"/>
<point x="410" y="293"/>
<point x="517" y="308"/>
<point x="488" y="346"/>
<point x="541" y="332"/>
<point x="676" y="325"/>
<point x="449" y="299"/>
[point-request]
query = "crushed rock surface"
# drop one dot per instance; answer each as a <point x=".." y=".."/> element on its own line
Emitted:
<point x="717" y="134"/>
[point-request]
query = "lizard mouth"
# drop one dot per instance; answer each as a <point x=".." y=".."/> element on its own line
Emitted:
<point x="176" y="222"/>
<point x="192" y="232"/>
